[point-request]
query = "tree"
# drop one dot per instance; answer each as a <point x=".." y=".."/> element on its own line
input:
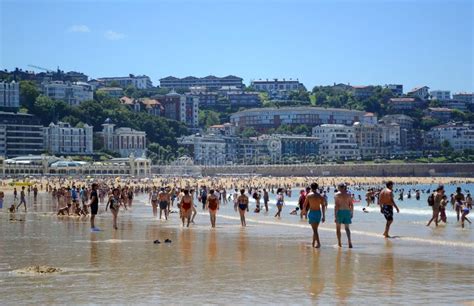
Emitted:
<point x="208" y="118"/>
<point x="28" y="93"/>
<point x="428" y="122"/>
<point x="49" y="110"/>
<point x="299" y="95"/>
<point x="249" y="132"/>
<point x="114" y="84"/>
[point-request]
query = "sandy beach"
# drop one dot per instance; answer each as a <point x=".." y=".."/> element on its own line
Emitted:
<point x="270" y="261"/>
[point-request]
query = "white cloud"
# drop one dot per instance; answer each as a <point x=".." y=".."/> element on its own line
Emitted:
<point x="112" y="35"/>
<point x="79" y="28"/>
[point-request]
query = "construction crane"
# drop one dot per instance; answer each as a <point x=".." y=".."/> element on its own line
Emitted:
<point x="41" y="68"/>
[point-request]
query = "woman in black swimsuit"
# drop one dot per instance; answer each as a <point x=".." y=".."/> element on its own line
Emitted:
<point x="243" y="205"/>
<point x="114" y="203"/>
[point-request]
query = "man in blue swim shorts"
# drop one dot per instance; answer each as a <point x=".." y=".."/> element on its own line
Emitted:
<point x="314" y="203"/>
<point x="343" y="211"/>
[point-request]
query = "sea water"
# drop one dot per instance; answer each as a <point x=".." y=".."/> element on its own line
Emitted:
<point x="271" y="261"/>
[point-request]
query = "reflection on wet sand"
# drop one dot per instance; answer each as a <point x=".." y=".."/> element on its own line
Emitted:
<point x="317" y="282"/>
<point x="186" y="244"/>
<point x="212" y="247"/>
<point x="94" y="251"/>
<point x="387" y="269"/>
<point x="242" y="246"/>
<point x="344" y="276"/>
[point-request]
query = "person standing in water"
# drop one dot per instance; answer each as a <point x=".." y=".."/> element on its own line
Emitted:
<point x="458" y="201"/>
<point x="243" y="205"/>
<point x="22" y="198"/>
<point x="314" y="203"/>
<point x="213" y="205"/>
<point x="343" y="212"/>
<point x="387" y="203"/>
<point x="94" y="204"/>
<point x="435" y="201"/>
<point x="114" y="203"/>
<point x="280" y="201"/>
<point x="266" y="199"/>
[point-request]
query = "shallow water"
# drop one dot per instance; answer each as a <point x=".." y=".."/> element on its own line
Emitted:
<point x="270" y="261"/>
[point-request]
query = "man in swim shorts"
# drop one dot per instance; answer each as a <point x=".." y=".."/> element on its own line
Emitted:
<point x="164" y="197"/>
<point x="314" y="203"/>
<point x="387" y="203"/>
<point x="94" y="204"/>
<point x="343" y="212"/>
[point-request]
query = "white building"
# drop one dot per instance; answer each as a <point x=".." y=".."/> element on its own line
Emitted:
<point x="440" y="95"/>
<point x="208" y="149"/>
<point x="139" y="81"/>
<point x="61" y="139"/>
<point x="272" y="117"/>
<point x="419" y="92"/>
<point x="466" y="97"/>
<point x="277" y="88"/>
<point x="113" y="92"/>
<point x="397" y="89"/>
<point x="125" y="141"/>
<point x="379" y="140"/>
<point x="71" y="93"/>
<point x="337" y="141"/>
<point x="9" y="94"/>
<point x="459" y="136"/>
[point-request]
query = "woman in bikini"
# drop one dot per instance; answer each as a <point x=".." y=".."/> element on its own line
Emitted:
<point x="186" y="207"/>
<point x="243" y="205"/>
<point x="213" y="205"/>
<point x="280" y="201"/>
<point x="154" y="200"/>
<point x="114" y="203"/>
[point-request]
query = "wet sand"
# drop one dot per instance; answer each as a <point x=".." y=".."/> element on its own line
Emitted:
<point x="269" y="262"/>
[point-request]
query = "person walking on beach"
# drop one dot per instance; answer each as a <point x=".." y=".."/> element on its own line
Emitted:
<point x="164" y="202"/>
<point x="213" y="205"/>
<point x="114" y="203"/>
<point x="266" y="199"/>
<point x="301" y="200"/>
<point x="153" y="198"/>
<point x="458" y="201"/>
<point x="94" y="204"/>
<point x="314" y="203"/>
<point x="243" y="205"/>
<point x="442" y="209"/>
<point x="343" y="212"/>
<point x="22" y="198"/>
<point x="387" y="203"/>
<point x="186" y="205"/>
<point x="434" y="200"/>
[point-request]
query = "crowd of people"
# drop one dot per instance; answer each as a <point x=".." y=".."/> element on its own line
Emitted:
<point x="83" y="199"/>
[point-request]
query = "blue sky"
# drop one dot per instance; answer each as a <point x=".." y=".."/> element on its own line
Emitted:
<point x="320" y="42"/>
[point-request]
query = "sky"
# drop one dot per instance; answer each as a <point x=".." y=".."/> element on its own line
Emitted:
<point x="366" y="42"/>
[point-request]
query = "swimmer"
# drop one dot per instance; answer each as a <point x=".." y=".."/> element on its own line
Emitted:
<point x="294" y="212"/>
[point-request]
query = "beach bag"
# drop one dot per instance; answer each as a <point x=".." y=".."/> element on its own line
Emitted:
<point x="431" y="200"/>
